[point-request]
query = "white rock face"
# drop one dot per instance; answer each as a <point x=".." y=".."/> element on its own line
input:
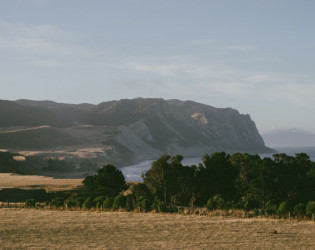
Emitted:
<point x="200" y="118"/>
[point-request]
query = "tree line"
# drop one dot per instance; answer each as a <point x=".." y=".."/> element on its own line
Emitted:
<point x="280" y="185"/>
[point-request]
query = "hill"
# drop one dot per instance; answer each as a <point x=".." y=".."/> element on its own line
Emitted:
<point x="125" y="131"/>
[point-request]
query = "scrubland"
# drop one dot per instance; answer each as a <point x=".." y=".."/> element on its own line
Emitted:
<point x="53" y="229"/>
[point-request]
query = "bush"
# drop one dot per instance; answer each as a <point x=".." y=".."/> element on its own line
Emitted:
<point x="145" y="205"/>
<point x="30" y="203"/>
<point x="70" y="203"/>
<point x="107" y="203"/>
<point x="249" y="203"/>
<point x="310" y="208"/>
<point x="119" y="201"/>
<point x="57" y="202"/>
<point x="79" y="201"/>
<point x="159" y="206"/>
<point x="270" y="208"/>
<point x="283" y="209"/>
<point x="99" y="201"/>
<point x="129" y="202"/>
<point x="256" y="212"/>
<point x="262" y="211"/>
<point x="88" y="203"/>
<point x="299" y="209"/>
<point x="216" y="202"/>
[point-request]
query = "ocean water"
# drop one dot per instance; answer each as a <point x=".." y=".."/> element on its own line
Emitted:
<point x="134" y="172"/>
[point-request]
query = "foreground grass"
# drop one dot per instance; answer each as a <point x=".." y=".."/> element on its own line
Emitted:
<point x="32" y="228"/>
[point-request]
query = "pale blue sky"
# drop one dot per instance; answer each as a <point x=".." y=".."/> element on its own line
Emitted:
<point x="255" y="56"/>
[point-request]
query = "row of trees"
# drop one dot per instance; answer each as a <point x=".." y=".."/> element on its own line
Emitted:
<point x="221" y="181"/>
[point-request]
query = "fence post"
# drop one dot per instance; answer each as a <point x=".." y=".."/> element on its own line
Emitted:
<point x="313" y="217"/>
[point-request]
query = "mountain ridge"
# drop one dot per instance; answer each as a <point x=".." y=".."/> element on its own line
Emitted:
<point x="135" y="129"/>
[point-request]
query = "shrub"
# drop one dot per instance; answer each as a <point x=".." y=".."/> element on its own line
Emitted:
<point x="299" y="209"/>
<point x="79" y="201"/>
<point x="30" y="203"/>
<point x="249" y="203"/>
<point x="70" y="203"/>
<point x="119" y="201"/>
<point x="107" y="203"/>
<point x="129" y="202"/>
<point x="310" y="208"/>
<point x="262" y="211"/>
<point x="270" y="208"/>
<point x="88" y="203"/>
<point x="99" y="201"/>
<point x="216" y="202"/>
<point x="57" y="202"/>
<point x="283" y="209"/>
<point x="145" y="205"/>
<point x="159" y="206"/>
<point x="256" y="212"/>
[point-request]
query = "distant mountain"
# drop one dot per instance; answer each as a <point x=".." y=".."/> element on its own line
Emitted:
<point x="126" y="131"/>
<point x="289" y="138"/>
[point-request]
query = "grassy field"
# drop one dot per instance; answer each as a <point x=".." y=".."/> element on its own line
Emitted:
<point x="31" y="228"/>
<point x="37" y="182"/>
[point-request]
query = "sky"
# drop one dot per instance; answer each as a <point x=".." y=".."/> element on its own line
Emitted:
<point x="257" y="56"/>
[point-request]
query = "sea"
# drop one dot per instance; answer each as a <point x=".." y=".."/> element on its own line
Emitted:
<point x="135" y="171"/>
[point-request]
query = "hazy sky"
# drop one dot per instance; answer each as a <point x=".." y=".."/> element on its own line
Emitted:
<point x="255" y="56"/>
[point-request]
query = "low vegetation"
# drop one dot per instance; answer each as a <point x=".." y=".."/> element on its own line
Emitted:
<point x="283" y="186"/>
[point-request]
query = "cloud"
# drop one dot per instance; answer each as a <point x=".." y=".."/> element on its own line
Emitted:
<point x="187" y="76"/>
<point x="18" y="40"/>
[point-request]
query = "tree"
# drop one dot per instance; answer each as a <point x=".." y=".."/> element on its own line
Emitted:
<point x="109" y="181"/>
<point x="170" y="181"/>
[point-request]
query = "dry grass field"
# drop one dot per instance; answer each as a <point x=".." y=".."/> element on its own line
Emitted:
<point x="45" y="229"/>
<point x="37" y="182"/>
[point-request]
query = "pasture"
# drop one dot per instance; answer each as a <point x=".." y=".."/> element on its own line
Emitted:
<point x="8" y="180"/>
<point x="52" y="229"/>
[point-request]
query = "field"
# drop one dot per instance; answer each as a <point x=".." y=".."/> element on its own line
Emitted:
<point x="31" y="228"/>
<point x="37" y="182"/>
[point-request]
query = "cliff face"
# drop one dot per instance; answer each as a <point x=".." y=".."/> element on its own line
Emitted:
<point x="128" y="130"/>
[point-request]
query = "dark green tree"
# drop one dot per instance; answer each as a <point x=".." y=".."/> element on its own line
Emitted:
<point x="109" y="181"/>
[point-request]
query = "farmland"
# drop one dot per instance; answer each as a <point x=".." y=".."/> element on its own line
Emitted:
<point x="35" y="228"/>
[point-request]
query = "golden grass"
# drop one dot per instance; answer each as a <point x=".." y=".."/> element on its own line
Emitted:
<point x="37" y="182"/>
<point x="31" y="228"/>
